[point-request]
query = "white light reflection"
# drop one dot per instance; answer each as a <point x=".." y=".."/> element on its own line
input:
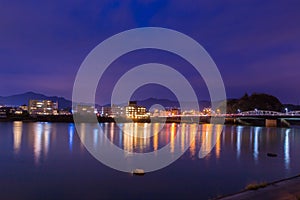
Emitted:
<point x="256" y="145"/>
<point x="105" y="132"/>
<point x="287" y="149"/>
<point x="238" y="140"/>
<point x="112" y="132"/>
<point x="120" y="135"/>
<point x="251" y="138"/>
<point x="231" y="136"/>
<point x="71" y="136"/>
<point x="17" y="131"/>
<point x="46" y="138"/>
<point x="82" y="135"/>
<point x="95" y="137"/>
<point x="42" y="131"/>
<point x="37" y="145"/>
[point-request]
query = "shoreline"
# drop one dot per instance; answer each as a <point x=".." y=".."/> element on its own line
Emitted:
<point x="91" y="118"/>
<point x="173" y="119"/>
<point x="287" y="188"/>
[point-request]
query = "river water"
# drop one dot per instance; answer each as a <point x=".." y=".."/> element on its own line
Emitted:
<point x="48" y="160"/>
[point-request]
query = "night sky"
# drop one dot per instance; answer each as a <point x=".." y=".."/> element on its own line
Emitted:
<point x="254" y="43"/>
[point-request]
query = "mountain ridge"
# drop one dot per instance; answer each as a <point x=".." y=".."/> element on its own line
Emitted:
<point x="23" y="98"/>
<point x="233" y="104"/>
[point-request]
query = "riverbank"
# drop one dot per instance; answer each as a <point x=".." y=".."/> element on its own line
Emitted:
<point x="90" y="118"/>
<point x="286" y="189"/>
<point x="231" y="120"/>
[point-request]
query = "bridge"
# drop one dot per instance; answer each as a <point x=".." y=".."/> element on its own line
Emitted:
<point x="255" y="118"/>
<point x="266" y="118"/>
<point x="267" y="113"/>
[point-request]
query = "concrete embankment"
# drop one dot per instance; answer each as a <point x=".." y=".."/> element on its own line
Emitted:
<point x="286" y="189"/>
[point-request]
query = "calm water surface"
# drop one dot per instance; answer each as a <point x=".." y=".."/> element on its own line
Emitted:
<point x="48" y="161"/>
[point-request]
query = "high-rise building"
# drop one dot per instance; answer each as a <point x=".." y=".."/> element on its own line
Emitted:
<point x="42" y="107"/>
<point x="135" y="111"/>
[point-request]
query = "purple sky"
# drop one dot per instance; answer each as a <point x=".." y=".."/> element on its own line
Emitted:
<point x="255" y="44"/>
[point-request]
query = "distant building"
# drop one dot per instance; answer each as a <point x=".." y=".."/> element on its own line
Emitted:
<point x="191" y="112"/>
<point x="85" y="109"/>
<point x="3" y="112"/>
<point x="135" y="111"/>
<point x="106" y="111"/>
<point x="8" y="111"/>
<point x="64" y="112"/>
<point x="118" y="111"/>
<point x="168" y="112"/>
<point x="173" y="111"/>
<point x="23" y="107"/>
<point x="131" y="111"/>
<point x="42" y="107"/>
<point x="18" y="111"/>
<point x="207" y="111"/>
<point x="113" y="111"/>
<point x="156" y="113"/>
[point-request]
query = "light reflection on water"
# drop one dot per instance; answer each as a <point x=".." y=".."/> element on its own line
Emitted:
<point x="17" y="130"/>
<point x="145" y="138"/>
<point x="255" y="149"/>
<point x="239" y="142"/>
<point x="287" y="149"/>
<point x="71" y="136"/>
<point x="41" y="132"/>
<point x="239" y="155"/>
<point x="41" y="138"/>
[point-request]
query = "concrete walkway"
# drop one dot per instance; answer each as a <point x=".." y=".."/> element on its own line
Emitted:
<point x="280" y="190"/>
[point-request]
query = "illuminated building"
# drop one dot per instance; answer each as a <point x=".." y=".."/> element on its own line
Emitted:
<point x="106" y="111"/>
<point x="85" y="109"/>
<point x="135" y="111"/>
<point x="117" y="111"/>
<point x="3" y="112"/>
<point x="113" y="111"/>
<point x="171" y="112"/>
<point x="155" y="113"/>
<point x="18" y="111"/>
<point x="207" y="111"/>
<point x="23" y="107"/>
<point x="42" y="107"/>
<point x="64" y="112"/>
<point x="168" y="112"/>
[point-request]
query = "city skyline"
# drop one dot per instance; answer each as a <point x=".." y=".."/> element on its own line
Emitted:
<point x="255" y="44"/>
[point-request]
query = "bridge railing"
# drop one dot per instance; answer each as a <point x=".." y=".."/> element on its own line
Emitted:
<point x="267" y="113"/>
